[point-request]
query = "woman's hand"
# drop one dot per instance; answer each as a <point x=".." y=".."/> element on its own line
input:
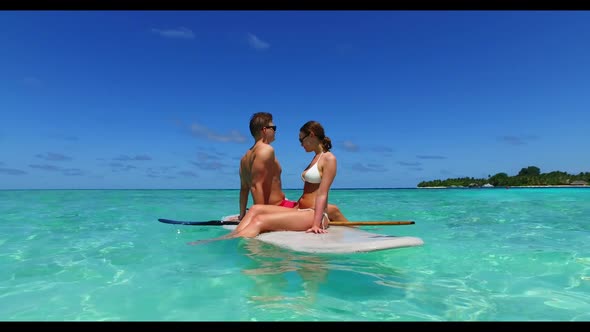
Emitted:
<point x="317" y="230"/>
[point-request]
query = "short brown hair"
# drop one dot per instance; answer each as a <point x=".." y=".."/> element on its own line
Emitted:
<point x="258" y="121"/>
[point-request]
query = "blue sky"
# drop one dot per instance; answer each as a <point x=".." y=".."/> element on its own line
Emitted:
<point x="162" y="99"/>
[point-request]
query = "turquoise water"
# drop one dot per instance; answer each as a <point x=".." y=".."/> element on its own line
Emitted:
<point x="489" y="255"/>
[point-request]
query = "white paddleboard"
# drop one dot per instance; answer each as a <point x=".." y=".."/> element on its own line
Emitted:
<point x="338" y="240"/>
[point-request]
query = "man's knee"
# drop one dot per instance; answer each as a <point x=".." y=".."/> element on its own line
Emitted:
<point x="334" y="213"/>
<point x="333" y="208"/>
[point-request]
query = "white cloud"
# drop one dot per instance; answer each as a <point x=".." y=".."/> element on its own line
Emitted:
<point x="53" y="156"/>
<point x="517" y="140"/>
<point x="189" y="174"/>
<point x="257" y="43"/>
<point x="183" y="33"/>
<point x="12" y="171"/>
<point x="202" y="131"/>
<point x="430" y="157"/>
<point x="358" y="167"/>
<point x="349" y="146"/>
<point x="130" y="158"/>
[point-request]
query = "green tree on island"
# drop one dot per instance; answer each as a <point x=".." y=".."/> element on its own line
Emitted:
<point x="528" y="176"/>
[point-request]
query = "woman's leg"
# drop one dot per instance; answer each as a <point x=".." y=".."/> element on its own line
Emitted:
<point x="293" y="220"/>
<point x="255" y="210"/>
<point x="269" y="218"/>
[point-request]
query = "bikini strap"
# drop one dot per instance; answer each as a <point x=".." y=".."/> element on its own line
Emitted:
<point x="325" y="216"/>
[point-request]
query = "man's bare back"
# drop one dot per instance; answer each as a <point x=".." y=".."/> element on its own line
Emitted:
<point x="260" y="172"/>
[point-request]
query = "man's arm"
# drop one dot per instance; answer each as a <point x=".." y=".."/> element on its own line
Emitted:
<point x="244" y="190"/>
<point x="263" y="162"/>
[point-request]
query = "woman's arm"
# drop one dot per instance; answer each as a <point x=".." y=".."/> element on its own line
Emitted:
<point x="328" y="171"/>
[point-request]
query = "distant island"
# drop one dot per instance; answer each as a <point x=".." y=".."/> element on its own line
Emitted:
<point x="527" y="177"/>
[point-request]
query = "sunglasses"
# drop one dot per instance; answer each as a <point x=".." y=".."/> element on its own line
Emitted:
<point x="274" y="128"/>
<point x="301" y="139"/>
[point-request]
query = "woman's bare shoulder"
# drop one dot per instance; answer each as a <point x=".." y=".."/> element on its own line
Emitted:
<point x="328" y="159"/>
<point x="329" y="156"/>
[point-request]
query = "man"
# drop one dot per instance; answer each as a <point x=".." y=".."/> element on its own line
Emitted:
<point x="260" y="171"/>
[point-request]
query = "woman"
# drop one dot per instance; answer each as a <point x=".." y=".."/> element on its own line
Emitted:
<point x="311" y="214"/>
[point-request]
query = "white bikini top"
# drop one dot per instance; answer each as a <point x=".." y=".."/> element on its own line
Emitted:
<point x="312" y="175"/>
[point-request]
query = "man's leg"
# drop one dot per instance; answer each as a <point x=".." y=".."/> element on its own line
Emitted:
<point x="335" y="214"/>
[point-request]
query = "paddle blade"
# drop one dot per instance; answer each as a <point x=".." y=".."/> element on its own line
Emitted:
<point x="198" y="223"/>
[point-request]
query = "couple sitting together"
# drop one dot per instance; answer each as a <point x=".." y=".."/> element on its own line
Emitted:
<point x="260" y="176"/>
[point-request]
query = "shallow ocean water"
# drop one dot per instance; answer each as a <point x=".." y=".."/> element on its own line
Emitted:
<point x="489" y="255"/>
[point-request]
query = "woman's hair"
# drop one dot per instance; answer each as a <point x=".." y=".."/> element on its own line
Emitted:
<point x="258" y="121"/>
<point x="317" y="129"/>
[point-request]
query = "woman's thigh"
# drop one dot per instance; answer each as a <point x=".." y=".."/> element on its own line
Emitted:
<point x="264" y="208"/>
<point x="292" y="220"/>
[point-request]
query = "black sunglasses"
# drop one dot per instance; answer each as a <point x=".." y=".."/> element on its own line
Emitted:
<point x="274" y="128"/>
<point x="304" y="137"/>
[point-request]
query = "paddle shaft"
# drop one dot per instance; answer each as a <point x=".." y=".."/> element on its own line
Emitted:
<point x="333" y="223"/>
<point x="369" y="223"/>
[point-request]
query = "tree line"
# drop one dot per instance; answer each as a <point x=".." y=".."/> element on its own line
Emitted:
<point x="528" y="176"/>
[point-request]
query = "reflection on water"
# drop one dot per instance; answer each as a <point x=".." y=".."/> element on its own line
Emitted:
<point x="314" y="285"/>
<point x="279" y="273"/>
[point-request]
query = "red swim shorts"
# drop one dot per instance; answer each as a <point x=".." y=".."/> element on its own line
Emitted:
<point x="288" y="204"/>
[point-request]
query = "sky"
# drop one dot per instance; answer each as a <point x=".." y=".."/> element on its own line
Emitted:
<point x="163" y="99"/>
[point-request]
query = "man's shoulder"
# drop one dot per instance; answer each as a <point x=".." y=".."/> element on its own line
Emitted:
<point x="264" y="150"/>
<point x="260" y="151"/>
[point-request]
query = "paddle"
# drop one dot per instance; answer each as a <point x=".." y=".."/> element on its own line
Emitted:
<point x="369" y="223"/>
<point x="332" y="223"/>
